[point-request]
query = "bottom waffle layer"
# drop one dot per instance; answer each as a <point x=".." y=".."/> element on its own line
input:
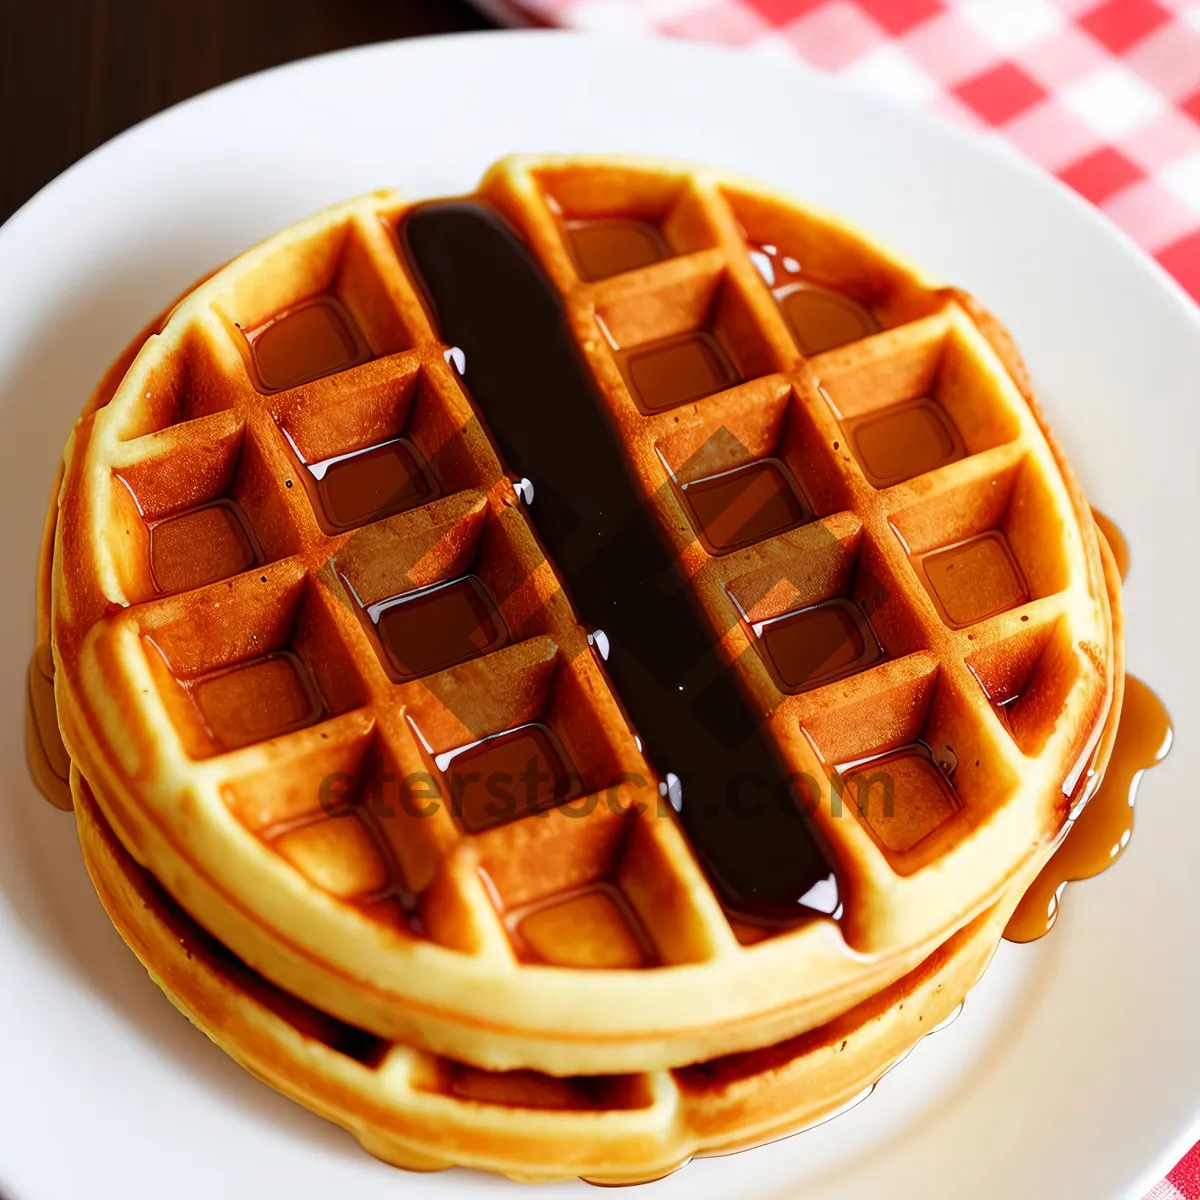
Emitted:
<point x="421" y="1112"/>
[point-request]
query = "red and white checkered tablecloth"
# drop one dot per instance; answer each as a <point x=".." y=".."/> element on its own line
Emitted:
<point x="1105" y="95"/>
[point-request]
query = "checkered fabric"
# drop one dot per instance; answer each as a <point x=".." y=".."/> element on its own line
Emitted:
<point x="1183" y="1183"/>
<point x="1104" y="95"/>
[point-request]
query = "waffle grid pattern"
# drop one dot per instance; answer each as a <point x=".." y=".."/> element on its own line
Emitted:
<point x="1010" y="478"/>
<point x="188" y="426"/>
<point x="423" y="1113"/>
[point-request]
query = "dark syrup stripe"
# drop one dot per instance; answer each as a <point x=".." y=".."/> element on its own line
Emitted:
<point x="536" y="395"/>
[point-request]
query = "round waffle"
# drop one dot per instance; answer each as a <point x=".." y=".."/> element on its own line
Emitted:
<point x="226" y="683"/>
<point x="424" y="1113"/>
<point x="418" y="1111"/>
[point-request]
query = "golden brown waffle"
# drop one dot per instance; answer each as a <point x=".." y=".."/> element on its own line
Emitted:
<point x="425" y="1113"/>
<point x="420" y="929"/>
<point x="415" y="1110"/>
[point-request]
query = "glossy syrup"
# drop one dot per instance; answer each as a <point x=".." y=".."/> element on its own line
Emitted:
<point x="367" y="485"/>
<point x="256" y="700"/>
<point x="437" y="627"/>
<point x="817" y="645"/>
<point x="507" y="776"/>
<point x="747" y="504"/>
<point x="903" y="441"/>
<point x="974" y="579"/>
<point x="611" y="246"/>
<point x="1101" y="833"/>
<point x="677" y="370"/>
<point x="306" y="343"/>
<point x="539" y="400"/>
<point x="820" y="317"/>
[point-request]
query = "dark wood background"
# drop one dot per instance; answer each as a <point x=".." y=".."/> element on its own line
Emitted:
<point x="74" y="73"/>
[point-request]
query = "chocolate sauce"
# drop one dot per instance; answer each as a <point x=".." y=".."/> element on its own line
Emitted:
<point x="507" y="776"/>
<point x="613" y="246"/>
<point x="818" y="645"/>
<point x="369" y="484"/>
<point x="677" y="370"/>
<point x="306" y="343"/>
<point x="974" y="579"/>
<point x="1102" y="831"/>
<point x="436" y="627"/>
<point x="535" y="393"/>
<point x="256" y="700"/>
<point x="903" y="441"/>
<point x="201" y="546"/>
<point x="745" y="505"/>
<point x="821" y="318"/>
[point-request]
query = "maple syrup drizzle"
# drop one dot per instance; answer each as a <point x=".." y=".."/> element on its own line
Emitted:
<point x="820" y="317"/>
<point x="1102" y="831"/>
<point x="312" y="340"/>
<point x="677" y="370"/>
<point x="754" y="501"/>
<point x="901" y="442"/>
<point x="612" y="246"/>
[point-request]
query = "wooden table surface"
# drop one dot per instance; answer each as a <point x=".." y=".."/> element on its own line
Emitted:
<point x="73" y="73"/>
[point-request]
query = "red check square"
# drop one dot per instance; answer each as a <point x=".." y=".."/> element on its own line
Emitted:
<point x="1183" y="261"/>
<point x="899" y="16"/>
<point x="1120" y="23"/>
<point x="781" y="12"/>
<point x="1002" y="93"/>
<point x="1191" y="106"/>
<point x="1100" y="175"/>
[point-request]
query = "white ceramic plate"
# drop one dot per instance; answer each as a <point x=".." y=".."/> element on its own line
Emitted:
<point x="1075" y="1069"/>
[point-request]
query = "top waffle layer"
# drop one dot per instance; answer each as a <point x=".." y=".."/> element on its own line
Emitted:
<point x="347" y="671"/>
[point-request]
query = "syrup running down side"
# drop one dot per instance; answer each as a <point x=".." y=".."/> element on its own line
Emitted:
<point x="536" y="396"/>
<point x="1115" y="539"/>
<point x="1101" y="833"/>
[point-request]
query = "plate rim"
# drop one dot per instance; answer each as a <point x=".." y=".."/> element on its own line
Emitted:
<point x="13" y="228"/>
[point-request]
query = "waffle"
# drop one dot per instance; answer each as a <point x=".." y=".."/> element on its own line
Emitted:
<point x="208" y="555"/>
<point x="415" y="1110"/>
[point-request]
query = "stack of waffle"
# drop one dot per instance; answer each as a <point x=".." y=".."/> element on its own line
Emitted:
<point x="573" y="678"/>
